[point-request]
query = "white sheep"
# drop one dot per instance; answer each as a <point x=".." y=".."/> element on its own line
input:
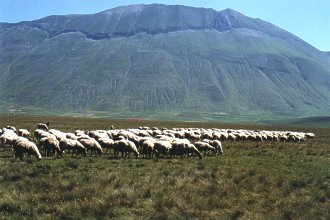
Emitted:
<point x="218" y="146"/>
<point x="106" y="143"/>
<point x="162" y="147"/>
<point x="9" y="127"/>
<point x="50" y="145"/>
<point x="204" y="147"/>
<point x="21" y="147"/>
<point x="43" y="126"/>
<point x="191" y="149"/>
<point x="92" y="145"/>
<point x="8" y="138"/>
<point x="73" y="145"/>
<point x="148" y="148"/>
<point x="24" y="133"/>
<point x="125" y="147"/>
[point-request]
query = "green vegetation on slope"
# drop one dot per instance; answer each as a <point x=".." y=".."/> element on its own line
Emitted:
<point x="160" y="59"/>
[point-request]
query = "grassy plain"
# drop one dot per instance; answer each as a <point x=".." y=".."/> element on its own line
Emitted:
<point x="250" y="181"/>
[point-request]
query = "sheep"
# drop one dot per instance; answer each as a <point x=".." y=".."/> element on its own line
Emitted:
<point x="148" y="148"/>
<point x="223" y="136"/>
<point x="93" y="145"/>
<point x="24" y="133"/>
<point x="207" y="135"/>
<point x="156" y="132"/>
<point x="192" y="136"/>
<point x="8" y="138"/>
<point x="50" y="144"/>
<point x="97" y="135"/>
<point x="43" y="126"/>
<point x="284" y="138"/>
<point x="79" y="133"/>
<point x="106" y="143"/>
<point x="163" y="147"/>
<point x="232" y="137"/>
<point x="11" y="128"/>
<point x="58" y="134"/>
<point x="38" y="134"/>
<point x="74" y="146"/>
<point x="259" y="138"/>
<point x="137" y="141"/>
<point x="71" y="136"/>
<point x="218" y="146"/>
<point x="19" y="138"/>
<point x="125" y="147"/>
<point x="21" y="147"/>
<point x="190" y="149"/>
<point x="203" y="146"/>
<point x="178" y="143"/>
<point x="165" y="138"/>
<point x="310" y="135"/>
<point x="292" y="138"/>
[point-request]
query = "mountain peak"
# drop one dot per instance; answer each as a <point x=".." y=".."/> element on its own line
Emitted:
<point x="124" y="9"/>
<point x="159" y="58"/>
<point x="231" y="12"/>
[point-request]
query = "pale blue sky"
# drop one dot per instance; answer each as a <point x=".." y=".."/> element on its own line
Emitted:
<point x="308" y="19"/>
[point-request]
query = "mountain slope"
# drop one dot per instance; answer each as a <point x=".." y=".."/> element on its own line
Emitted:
<point x="164" y="59"/>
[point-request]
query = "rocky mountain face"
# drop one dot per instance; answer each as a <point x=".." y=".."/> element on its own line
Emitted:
<point x="150" y="59"/>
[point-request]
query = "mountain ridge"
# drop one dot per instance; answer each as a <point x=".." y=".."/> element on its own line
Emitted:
<point x="198" y="60"/>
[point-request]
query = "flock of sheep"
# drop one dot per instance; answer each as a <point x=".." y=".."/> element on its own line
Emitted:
<point x="145" y="141"/>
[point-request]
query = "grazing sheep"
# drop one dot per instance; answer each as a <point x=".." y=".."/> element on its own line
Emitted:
<point x="292" y="138"/>
<point x="258" y="138"/>
<point x="11" y="128"/>
<point x="38" y="134"/>
<point x="223" y="136"/>
<point x="191" y="149"/>
<point x="204" y="147"/>
<point x="71" y="136"/>
<point x="232" y="137"/>
<point x="50" y="145"/>
<point x="8" y="138"/>
<point x="163" y="147"/>
<point x="79" y="133"/>
<point x="22" y="139"/>
<point x="21" y="147"/>
<point x="125" y="147"/>
<point x="310" y="135"/>
<point x="284" y="138"/>
<point x="58" y="134"/>
<point x="218" y="146"/>
<point x="23" y="133"/>
<point x="43" y="126"/>
<point x="148" y="148"/>
<point x="74" y="146"/>
<point x="193" y="136"/>
<point x="92" y="145"/>
<point x="207" y="135"/>
<point x="106" y="143"/>
<point x="177" y="144"/>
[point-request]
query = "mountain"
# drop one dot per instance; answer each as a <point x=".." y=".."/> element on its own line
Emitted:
<point x="158" y="59"/>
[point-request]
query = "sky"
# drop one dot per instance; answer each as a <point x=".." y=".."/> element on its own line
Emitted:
<point x="308" y="19"/>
